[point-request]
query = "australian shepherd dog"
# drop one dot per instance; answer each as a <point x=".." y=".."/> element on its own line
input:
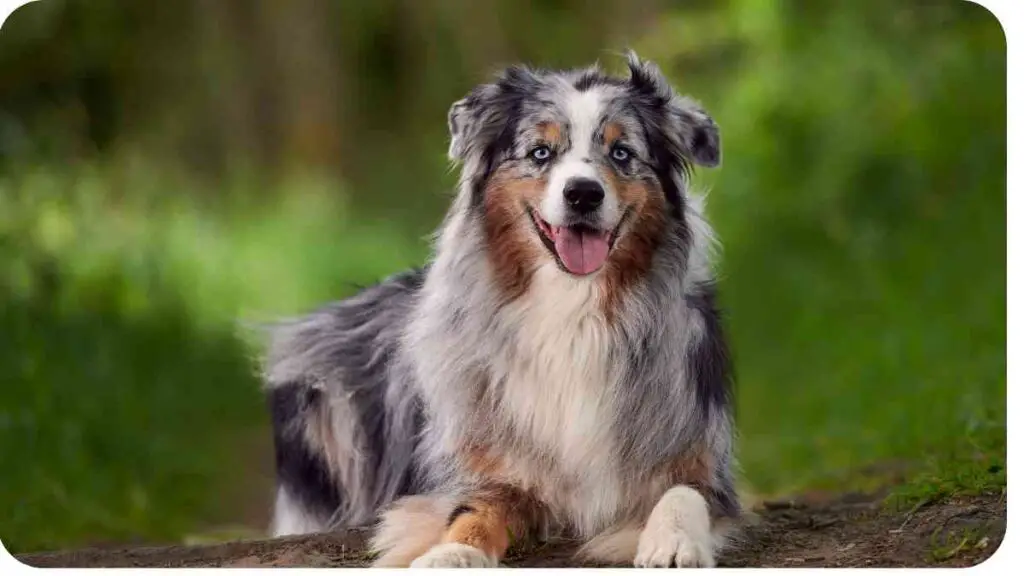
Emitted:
<point x="559" y="366"/>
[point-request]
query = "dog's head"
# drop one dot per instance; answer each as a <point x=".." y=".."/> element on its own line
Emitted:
<point x="579" y="167"/>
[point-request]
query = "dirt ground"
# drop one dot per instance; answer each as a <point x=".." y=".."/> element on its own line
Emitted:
<point x="849" y="531"/>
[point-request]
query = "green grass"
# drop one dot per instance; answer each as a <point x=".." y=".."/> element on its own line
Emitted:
<point x="899" y="357"/>
<point x="975" y="465"/>
<point x="114" y="423"/>
<point x="947" y="544"/>
<point x="850" y="353"/>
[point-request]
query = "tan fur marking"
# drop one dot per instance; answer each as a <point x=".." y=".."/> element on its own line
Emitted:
<point x="496" y="512"/>
<point x="514" y="255"/>
<point x="612" y="132"/>
<point x="483" y="528"/>
<point x="640" y="237"/>
<point x="551" y="132"/>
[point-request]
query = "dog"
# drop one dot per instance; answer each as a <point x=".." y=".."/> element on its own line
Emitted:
<point x="559" y="365"/>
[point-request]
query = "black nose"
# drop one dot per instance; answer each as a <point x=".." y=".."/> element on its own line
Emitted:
<point x="583" y="195"/>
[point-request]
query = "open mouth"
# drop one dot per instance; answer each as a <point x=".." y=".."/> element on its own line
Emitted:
<point x="580" y="249"/>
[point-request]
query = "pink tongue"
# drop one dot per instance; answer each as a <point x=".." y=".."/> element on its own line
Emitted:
<point x="581" y="252"/>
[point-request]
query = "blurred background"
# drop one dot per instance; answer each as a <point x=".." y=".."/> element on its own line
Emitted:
<point x="172" y="170"/>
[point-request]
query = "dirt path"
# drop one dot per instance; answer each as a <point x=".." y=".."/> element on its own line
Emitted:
<point x="850" y="531"/>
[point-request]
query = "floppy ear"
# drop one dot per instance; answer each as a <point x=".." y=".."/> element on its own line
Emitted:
<point x="688" y="125"/>
<point x="698" y="132"/>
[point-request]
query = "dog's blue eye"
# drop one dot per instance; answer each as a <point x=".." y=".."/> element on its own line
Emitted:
<point x="620" y="154"/>
<point x="541" y="154"/>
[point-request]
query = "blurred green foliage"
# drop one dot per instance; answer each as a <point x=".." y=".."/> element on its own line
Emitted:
<point x="172" y="172"/>
<point x="128" y="343"/>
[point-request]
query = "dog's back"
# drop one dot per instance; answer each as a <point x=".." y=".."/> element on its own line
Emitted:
<point x="336" y="402"/>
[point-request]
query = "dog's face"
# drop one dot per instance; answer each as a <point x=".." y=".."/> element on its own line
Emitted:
<point x="579" y="167"/>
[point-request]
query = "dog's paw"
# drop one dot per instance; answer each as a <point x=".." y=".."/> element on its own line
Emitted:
<point x="678" y="533"/>
<point x="667" y="548"/>
<point x="454" y="555"/>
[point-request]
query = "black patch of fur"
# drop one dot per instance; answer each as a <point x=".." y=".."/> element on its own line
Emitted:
<point x="711" y="365"/>
<point x="300" y="471"/>
<point x="665" y="167"/>
<point x="593" y="78"/>
<point x="711" y="362"/>
<point x="459" y="511"/>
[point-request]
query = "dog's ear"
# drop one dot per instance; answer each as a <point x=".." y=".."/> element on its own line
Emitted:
<point x="698" y="132"/>
<point x="469" y="120"/>
<point x="487" y="111"/>
<point x="461" y="120"/>
<point x="687" y="124"/>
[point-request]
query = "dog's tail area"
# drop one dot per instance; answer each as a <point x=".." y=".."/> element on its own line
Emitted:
<point x="344" y="418"/>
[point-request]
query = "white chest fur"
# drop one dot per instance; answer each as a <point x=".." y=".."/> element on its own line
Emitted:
<point x="557" y="384"/>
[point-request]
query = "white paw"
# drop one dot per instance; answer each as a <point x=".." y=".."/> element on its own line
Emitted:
<point x="664" y="549"/>
<point x="454" y="555"/>
<point x="678" y="533"/>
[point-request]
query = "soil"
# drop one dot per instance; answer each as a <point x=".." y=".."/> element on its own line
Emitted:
<point x="853" y="530"/>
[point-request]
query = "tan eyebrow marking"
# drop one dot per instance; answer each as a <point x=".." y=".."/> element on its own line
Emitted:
<point x="550" y="131"/>
<point x="612" y="132"/>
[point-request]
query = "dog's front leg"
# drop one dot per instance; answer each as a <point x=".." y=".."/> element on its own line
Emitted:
<point x="478" y="530"/>
<point x="678" y="532"/>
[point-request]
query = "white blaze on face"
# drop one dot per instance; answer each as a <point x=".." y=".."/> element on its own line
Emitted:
<point x="584" y="111"/>
<point x="581" y="250"/>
